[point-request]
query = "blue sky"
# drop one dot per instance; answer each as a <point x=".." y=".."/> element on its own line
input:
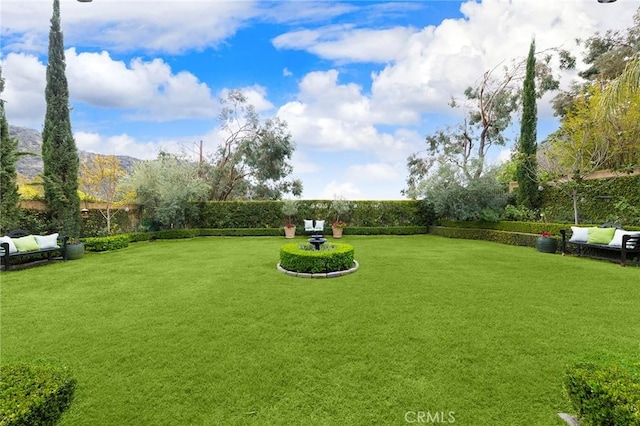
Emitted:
<point x="359" y="83"/>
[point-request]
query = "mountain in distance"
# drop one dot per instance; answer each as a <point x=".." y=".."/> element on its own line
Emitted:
<point x="30" y="140"/>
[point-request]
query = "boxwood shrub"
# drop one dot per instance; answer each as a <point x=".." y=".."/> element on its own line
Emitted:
<point x="504" y="237"/>
<point x="34" y="395"/>
<point x="113" y="242"/>
<point x="385" y="230"/>
<point x="605" y="394"/>
<point x="294" y="258"/>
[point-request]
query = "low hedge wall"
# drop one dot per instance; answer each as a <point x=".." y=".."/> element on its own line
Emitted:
<point x="173" y="234"/>
<point x="294" y="258"/>
<point x="605" y="394"/>
<point x="34" y="395"/>
<point x="504" y="237"/>
<point x="385" y="230"/>
<point x="268" y="214"/>
<point x="113" y="242"/>
<point x="522" y="227"/>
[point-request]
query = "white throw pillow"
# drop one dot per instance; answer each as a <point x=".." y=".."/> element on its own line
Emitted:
<point x="579" y="235"/>
<point x="308" y="225"/>
<point x="319" y="225"/>
<point x="47" y="241"/>
<point x="617" y="238"/>
<point x="12" y="246"/>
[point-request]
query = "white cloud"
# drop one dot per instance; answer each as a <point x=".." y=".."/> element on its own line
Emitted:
<point x="25" y="80"/>
<point x="149" y="88"/>
<point x="441" y="61"/>
<point x="123" y="25"/>
<point x="334" y="117"/>
<point x="375" y="172"/>
<point x="347" y="190"/>
<point x="347" y="44"/>
<point x="124" y="144"/>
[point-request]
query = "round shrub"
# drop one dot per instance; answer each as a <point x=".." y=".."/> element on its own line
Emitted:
<point x="299" y="259"/>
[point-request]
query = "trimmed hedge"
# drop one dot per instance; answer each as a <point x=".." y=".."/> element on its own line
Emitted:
<point x="601" y="200"/>
<point x="504" y="237"/>
<point x="605" y="394"/>
<point x="268" y="214"/>
<point x="385" y="230"/>
<point x="293" y="258"/>
<point x="174" y="234"/>
<point x="523" y="227"/>
<point x="34" y="395"/>
<point x="114" y="242"/>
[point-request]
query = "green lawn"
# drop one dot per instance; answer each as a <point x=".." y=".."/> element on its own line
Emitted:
<point x="207" y="331"/>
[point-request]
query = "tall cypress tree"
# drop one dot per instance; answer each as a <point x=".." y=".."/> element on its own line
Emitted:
<point x="59" y="152"/>
<point x="526" y="172"/>
<point x="9" y="196"/>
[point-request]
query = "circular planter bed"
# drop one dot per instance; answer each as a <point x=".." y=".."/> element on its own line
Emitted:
<point x="332" y="260"/>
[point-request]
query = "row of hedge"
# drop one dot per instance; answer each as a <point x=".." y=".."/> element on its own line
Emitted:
<point x="504" y="237"/>
<point x="268" y="214"/>
<point x="34" y="395"/>
<point x="605" y="394"/>
<point x="172" y="234"/>
<point x="600" y="200"/>
<point x="523" y="227"/>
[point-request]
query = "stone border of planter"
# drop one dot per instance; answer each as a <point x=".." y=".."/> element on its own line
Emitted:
<point x="569" y="419"/>
<point x="320" y="275"/>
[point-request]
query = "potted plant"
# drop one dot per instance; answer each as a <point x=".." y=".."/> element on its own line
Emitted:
<point x="340" y="206"/>
<point x="289" y="208"/>
<point x="546" y="243"/>
<point x="75" y="249"/>
<point x="337" y="228"/>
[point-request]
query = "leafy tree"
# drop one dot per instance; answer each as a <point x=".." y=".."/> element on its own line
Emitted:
<point x="608" y="56"/>
<point x="59" y="152"/>
<point x="490" y="106"/>
<point x="10" y="212"/>
<point x="253" y="160"/>
<point x="480" y="199"/>
<point x="100" y="180"/>
<point x="166" y="188"/>
<point x="623" y="91"/>
<point x="526" y="172"/>
<point x="584" y="144"/>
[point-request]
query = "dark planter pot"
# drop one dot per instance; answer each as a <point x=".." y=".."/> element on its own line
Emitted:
<point x="546" y="244"/>
<point x="75" y="251"/>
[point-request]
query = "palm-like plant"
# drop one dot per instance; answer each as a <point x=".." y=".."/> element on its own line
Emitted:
<point x="623" y="87"/>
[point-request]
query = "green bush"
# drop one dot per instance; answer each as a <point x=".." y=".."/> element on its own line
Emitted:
<point x="385" y="230"/>
<point x="136" y="237"/>
<point x="504" y="237"/>
<point x="34" y="395"/>
<point x="114" y="242"/>
<point x="294" y="258"/>
<point x="268" y="214"/>
<point x="242" y="232"/>
<point x="524" y="227"/>
<point x="605" y="395"/>
<point x="601" y="200"/>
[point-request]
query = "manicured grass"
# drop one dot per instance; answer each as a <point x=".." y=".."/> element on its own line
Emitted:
<point x="207" y="331"/>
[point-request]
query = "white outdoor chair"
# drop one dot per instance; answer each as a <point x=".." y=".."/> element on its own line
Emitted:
<point x="313" y="225"/>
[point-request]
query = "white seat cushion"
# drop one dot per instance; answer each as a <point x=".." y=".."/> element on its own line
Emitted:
<point x="47" y="241"/>
<point x="308" y="225"/>
<point x="579" y="235"/>
<point x="617" y="238"/>
<point x="319" y="225"/>
<point x="12" y="246"/>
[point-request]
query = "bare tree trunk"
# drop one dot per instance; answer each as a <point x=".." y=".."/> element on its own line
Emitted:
<point x="575" y="205"/>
